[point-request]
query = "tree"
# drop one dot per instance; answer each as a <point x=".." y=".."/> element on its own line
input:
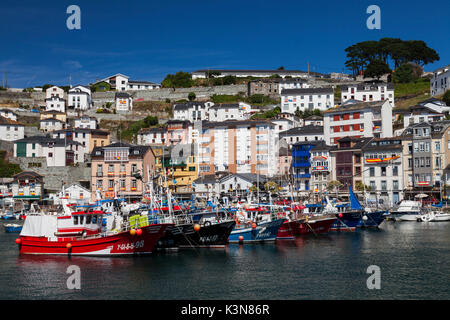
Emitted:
<point x="178" y="80"/>
<point x="359" y="186"/>
<point x="376" y="69"/>
<point x="191" y="96"/>
<point x="403" y="74"/>
<point x="446" y="97"/>
<point x="281" y="68"/>
<point x="334" y="185"/>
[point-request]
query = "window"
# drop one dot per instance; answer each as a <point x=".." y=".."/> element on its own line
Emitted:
<point x="395" y="171"/>
<point x="383" y="185"/>
<point x="383" y="171"/>
<point x="372" y="172"/>
<point x="395" y="185"/>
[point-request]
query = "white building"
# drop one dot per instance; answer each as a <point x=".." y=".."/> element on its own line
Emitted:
<point x="7" y="113"/>
<point x="302" y="134"/>
<point x="124" y="102"/>
<point x="440" y="82"/>
<point x="85" y="122"/>
<point x="79" y="98"/>
<point x="292" y="84"/>
<point x="75" y="194"/>
<point x="363" y="119"/>
<point x="226" y="111"/>
<point x="148" y="136"/>
<point x="121" y="82"/>
<point x="306" y="99"/>
<point x="55" y="103"/>
<point x="51" y="124"/>
<point x="368" y="92"/>
<point x="11" y="130"/>
<point x="57" y="152"/>
<point x="191" y="111"/>
<point x="282" y="124"/>
<point x="313" y="120"/>
<point x="142" y="85"/>
<point x="54" y="91"/>
<point x="234" y="183"/>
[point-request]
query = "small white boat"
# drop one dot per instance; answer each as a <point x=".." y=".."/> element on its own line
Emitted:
<point x="434" y="216"/>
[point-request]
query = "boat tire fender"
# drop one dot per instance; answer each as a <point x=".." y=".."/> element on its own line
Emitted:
<point x="207" y="223"/>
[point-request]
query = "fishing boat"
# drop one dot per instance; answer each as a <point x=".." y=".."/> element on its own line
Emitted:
<point x="12" y="228"/>
<point x="353" y="215"/>
<point x="204" y="229"/>
<point x="74" y="232"/>
<point x="299" y="223"/>
<point x="255" y="225"/>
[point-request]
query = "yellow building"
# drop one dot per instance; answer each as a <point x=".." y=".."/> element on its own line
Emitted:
<point x="177" y="167"/>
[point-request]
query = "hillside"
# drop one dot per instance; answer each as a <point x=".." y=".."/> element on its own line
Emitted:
<point x="409" y="94"/>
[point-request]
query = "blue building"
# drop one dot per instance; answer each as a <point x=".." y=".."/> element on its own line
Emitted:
<point x="301" y="165"/>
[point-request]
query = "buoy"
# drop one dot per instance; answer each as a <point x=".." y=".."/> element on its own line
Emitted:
<point x="139" y="231"/>
<point x="18" y="241"/>
<point x="340" y="215"/>
<point x="132" y="232"/>
<point x="241" y="238"/>
<point x="254" y="225"/>
<point x="68" y="245"/>
<point x="197" y="227"/>
<point x="364" y="218"/>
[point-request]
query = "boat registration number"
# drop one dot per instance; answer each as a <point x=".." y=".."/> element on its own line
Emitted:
<point x="131" y="246"/>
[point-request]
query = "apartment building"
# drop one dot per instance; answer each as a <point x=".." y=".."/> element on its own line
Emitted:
<point x="121" y="82"/>
<point x="383" y="170"/>
<point x="306" y="99"/>
<point x="368" y="92"/>
<point x="54" y="91"/>
<point x="440" y="81"/>
<point x="426" y="155"/>
<point x="348" y="159"/>
<point x="247" y="146"/>
<point x="121" y="169"/>
<point x="360" y="119"/>
<point x="273" y="87"/>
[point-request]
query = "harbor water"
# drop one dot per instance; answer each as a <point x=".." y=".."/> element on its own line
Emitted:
<point x="413" y="257"/>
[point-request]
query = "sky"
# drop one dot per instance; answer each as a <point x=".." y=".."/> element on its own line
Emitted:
<point x="146" y="40"/>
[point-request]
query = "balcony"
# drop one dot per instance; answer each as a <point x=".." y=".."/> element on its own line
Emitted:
<point x="99" y="174"/>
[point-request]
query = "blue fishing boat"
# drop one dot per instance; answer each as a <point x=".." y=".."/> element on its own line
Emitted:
<point x="355" y="216"/>
<point x="12" y="228"/>
<point x="256" y="232"/>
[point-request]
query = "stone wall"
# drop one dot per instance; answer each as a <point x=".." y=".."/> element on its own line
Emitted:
<point x="54" y="176"/>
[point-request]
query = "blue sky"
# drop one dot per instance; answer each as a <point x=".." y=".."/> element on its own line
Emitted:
<point x="146" y="40"/>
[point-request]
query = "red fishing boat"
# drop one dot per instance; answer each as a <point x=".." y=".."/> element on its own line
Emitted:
<point x="299" y="224"/>
<point x="90" y="232"/>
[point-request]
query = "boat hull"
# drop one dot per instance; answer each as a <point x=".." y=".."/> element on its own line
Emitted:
<point x="291" y="229"/>
<point x="372" y="220"/>
<point x="347" y="221"/>
<point x="209" y="236"/>
<point x="123" y="243"/>
<point x="12" y="229"/>
<point x="264" y="232"/>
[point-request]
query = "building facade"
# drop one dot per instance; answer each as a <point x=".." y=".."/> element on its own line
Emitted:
<point x="363" y="119"/>
<point x="306" y="99"/>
